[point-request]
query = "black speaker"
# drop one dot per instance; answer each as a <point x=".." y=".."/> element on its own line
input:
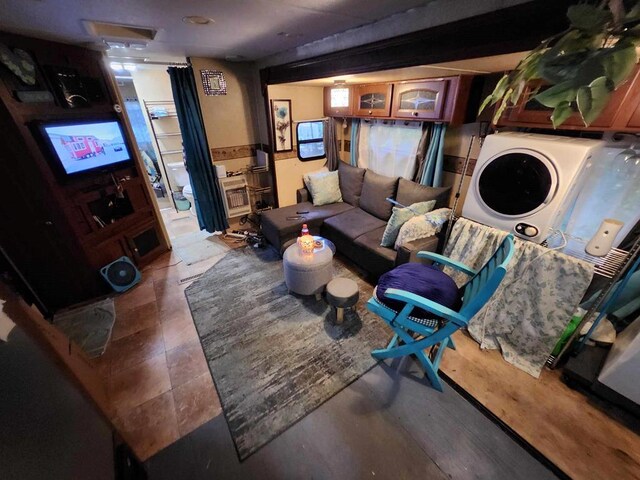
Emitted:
<point x="121" y="274"/>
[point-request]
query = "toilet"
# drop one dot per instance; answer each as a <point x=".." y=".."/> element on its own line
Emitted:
<point x="187" y="191"/>
<point x="179" y="175"/>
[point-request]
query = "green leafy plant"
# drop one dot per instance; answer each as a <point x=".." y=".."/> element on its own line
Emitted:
<point x="582" y="65"/>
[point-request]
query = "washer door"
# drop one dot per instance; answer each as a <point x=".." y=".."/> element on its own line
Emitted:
<point x="517" y="183"/>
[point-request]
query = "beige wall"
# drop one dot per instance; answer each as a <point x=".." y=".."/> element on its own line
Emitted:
<point x="230" y="120"/>
<point x="457" y="144"/>
<point x="306" y="104"/>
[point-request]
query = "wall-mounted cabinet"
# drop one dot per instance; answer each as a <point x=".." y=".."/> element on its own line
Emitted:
<point x="438" y="100"/>
<point x="373" y="100"/>
<point x="420" y="100"/>
<point x="621" y="113"/>
<point x="338" y="101"/>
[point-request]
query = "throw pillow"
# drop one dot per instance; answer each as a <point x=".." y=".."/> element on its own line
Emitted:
<point x="422" y="226"/>
<point x="305" y="177"/>
<point x="375" y="189"/>
<point x="400" y="216"/>
<point x="324" y="188"/>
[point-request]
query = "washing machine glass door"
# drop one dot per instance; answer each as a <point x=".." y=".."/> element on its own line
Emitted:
<point x="517" y="183"/>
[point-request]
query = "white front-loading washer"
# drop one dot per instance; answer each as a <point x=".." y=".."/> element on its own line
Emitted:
<point x="523" y="183"/>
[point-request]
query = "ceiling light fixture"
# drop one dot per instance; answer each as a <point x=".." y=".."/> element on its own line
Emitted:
<point x="289" y="35"/>
<point x="117" y="66"/>
<point x="197" y="20"/>
<point x="129" y="67"/>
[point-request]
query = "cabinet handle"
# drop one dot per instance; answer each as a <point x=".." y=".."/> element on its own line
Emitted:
<point x="48" y="223"/>
<point x="415" y="114"/>
<point x="370" y="112"/>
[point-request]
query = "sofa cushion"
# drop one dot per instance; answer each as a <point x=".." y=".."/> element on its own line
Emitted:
<point x="411" y="192"/>
<point x="353" y="223"/>
<point x="351" y="180"/>
<point x="278" y="225"/>
<point x="371" y="241"/>
<point x="375" y="189"/>
<point x="324" y="188"/>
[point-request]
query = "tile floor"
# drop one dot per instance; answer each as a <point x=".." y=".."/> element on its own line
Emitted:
<point x="156" y="374"/>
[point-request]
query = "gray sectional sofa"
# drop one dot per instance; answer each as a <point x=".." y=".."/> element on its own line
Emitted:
<point x="356" y="225"/>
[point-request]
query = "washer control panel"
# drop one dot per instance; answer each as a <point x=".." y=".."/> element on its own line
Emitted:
<point x="526" y="230"/>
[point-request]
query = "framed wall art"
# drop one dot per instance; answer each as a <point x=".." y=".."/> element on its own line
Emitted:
<point x="213" y="82"/>
<point x="281" y="119"/>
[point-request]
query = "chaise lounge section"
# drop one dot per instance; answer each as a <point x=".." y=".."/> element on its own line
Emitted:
<point x="357" y="224"/>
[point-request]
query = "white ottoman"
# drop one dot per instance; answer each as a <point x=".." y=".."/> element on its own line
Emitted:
<point x="308" y="274"/>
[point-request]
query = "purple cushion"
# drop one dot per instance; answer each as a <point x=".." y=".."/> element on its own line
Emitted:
<point x="424" y="280"/>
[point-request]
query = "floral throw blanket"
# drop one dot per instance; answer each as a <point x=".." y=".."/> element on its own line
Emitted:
<point x="534" y="303"/>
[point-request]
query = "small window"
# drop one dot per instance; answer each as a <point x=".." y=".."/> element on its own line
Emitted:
<point x="310" y="137"/>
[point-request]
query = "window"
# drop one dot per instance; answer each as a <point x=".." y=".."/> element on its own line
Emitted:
<point x="310" y="139"/>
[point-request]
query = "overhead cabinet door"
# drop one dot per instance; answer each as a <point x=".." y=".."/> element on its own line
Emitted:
<point x="420" y="100"/>
<point x="373" y="100"/>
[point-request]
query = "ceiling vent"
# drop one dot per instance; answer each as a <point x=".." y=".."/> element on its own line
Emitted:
<point x="113" y="31"/>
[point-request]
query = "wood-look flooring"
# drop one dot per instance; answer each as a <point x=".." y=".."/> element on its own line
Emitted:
<point x="574" y="433"/>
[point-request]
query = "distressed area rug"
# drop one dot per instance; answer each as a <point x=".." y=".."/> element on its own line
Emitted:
<point x="275" y="357"/>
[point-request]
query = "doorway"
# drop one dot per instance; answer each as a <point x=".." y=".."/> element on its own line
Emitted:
<point x="148" y="99"/>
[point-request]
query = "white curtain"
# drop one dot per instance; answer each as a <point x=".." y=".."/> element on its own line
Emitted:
<point x="389" y="149"/>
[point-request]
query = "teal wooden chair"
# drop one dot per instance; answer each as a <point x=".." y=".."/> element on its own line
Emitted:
<point x="413" y="335"/>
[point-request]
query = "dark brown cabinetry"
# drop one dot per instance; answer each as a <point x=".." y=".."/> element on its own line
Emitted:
<point x="420" y="100"/>
<point x="438" y="100"/>
<point x="373" y="100"/>
<point x="619" y="114"/>
<point x="338" y="101"/>
<point x="55" y="234"/>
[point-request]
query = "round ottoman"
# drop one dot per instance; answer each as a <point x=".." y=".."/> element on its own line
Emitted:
<point x="308" y="274"/>
<point x="342" y="293"/>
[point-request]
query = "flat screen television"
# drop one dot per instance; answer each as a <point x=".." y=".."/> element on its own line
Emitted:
<point x="78" y="147"/>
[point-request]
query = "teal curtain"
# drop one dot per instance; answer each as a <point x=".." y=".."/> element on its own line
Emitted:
<point x="355" y="127"/>
<point x="434" y="160"/>
<point x="206" y="191"/>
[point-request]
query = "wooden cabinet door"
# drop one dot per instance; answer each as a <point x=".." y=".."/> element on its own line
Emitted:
<point x="145" y="244"/>
<point x="372" y="100"/>
<point x="420" y="100"/>
<point x="338" y="101"/>
<point x="533" y="113"/>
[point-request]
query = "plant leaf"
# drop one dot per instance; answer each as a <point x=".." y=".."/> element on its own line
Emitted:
<point x="562" y="111"/>
<point x="501" y="108"/>
<point x="588" y="18"/>
<point x="554" y="96"/>
<point x="497" y="94"/>
<point x="619" y="62"/>
<point x="592" y="99"/>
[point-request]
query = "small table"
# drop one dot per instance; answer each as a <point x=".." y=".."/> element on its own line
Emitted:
<point x="309" y="273"/>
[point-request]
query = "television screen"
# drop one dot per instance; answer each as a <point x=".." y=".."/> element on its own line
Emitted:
<point x="84" y="146"/>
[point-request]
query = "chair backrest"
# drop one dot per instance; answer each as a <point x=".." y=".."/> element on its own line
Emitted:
<point x="484" y="284"/>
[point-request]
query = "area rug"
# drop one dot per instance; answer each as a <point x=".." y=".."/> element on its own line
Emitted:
<point x="275" y="357"/>
<point x="88" y="326"/>
<point x="195" y="247"/>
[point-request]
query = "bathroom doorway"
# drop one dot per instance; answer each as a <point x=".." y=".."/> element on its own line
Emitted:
<point x="148" y="99"/>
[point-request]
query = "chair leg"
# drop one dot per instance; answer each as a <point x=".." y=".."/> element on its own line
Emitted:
<point x="393" y="341"/>
<point x="429" y="370"/>
<point x="451" y="345"/>
<point x="441" y="348"/>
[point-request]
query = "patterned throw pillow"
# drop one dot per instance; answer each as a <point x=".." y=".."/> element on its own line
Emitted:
<point x="324" y="188"/>
<point x="400" y="216"/>
<point x="422" y="226"/>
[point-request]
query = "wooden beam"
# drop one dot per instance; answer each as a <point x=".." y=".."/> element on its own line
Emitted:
<point x="508" y="30"/>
